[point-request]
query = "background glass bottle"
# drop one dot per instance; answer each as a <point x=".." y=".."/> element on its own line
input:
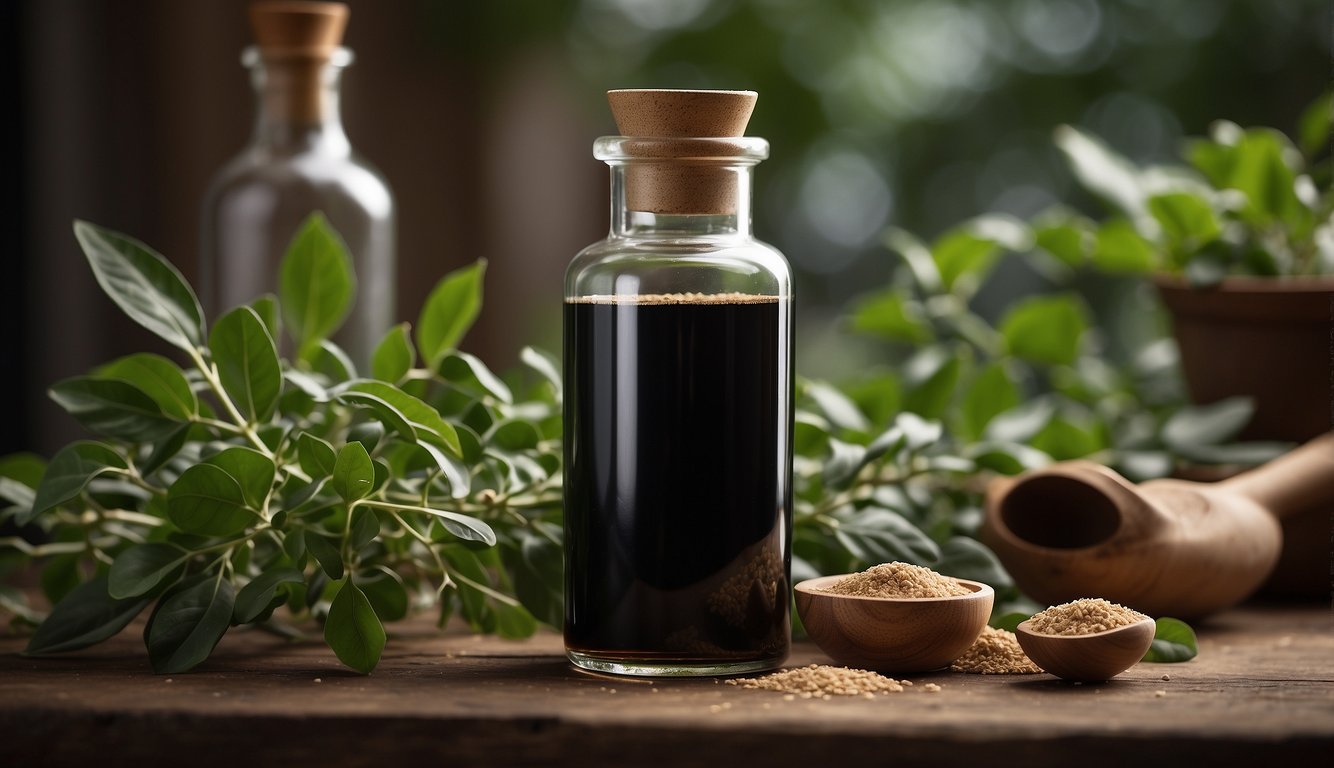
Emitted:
<point x="299" y="161"/>
<point x="678" y="350"/>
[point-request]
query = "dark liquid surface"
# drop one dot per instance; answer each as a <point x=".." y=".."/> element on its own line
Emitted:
<point x="677" y="477"/>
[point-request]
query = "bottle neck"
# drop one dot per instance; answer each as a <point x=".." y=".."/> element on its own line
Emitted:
<point x="297" y="103"/>
<point x="722" y="210"/>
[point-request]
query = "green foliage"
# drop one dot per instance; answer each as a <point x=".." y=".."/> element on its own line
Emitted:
<point x="1248" y="202"/>
<point x="1173" y="641"/>
<point x="242" y="483"/>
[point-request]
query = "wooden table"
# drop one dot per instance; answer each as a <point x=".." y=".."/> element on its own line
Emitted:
<point x="1261" y="692"/>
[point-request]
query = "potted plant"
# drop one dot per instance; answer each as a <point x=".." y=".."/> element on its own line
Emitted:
<point x="1240" y="245"/>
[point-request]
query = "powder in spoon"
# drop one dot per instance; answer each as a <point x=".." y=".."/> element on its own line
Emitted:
<point x="1083" y="617"/>
<point x="995" y="652"/>
<point x="820" y="681"/>
<point x="898" y="580"/>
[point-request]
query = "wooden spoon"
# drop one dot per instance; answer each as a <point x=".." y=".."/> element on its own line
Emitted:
<point x="1087" y="658"/>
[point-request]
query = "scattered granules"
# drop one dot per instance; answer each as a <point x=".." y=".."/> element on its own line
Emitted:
<point x="819" y="681"/>
<point x="898" y="580"/>
<point x="995" y="652"/>
<point x="1159" y="694"/>
<point x="931" y="688"/>
<point x="1083" y="617"/>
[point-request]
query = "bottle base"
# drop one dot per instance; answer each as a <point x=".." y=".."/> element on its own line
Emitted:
<point x="651" y="667"/>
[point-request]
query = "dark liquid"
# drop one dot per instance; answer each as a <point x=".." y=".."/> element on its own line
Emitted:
<point x="677" y="481"/>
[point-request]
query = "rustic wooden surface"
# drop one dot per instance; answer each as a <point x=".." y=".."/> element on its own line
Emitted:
<point x="1261" y="692"/>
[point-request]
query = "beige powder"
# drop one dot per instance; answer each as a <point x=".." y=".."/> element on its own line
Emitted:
<point x="1083" y="617"/>
<point x="995" y="652"/>
<point x="898" y="580"/>
<point x="819" y="681"/>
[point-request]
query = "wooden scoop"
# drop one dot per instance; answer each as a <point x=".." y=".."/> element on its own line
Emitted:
<point x="1166" y="547"/>
<point x="1087" y="658"/>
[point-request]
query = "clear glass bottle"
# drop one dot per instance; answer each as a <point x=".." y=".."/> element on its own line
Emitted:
<point x="298" y="161"/>
<point x="678" y="366"/>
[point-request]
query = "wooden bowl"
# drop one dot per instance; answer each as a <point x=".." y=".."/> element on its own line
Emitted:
<point x="1088" y="658"/>
<point x="893" y="634"/>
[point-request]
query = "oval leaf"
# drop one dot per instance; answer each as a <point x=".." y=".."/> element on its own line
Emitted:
<point x="394" y="355"/>
<point x="254" y="598"/>
<point x="1173" y="641"/>
<point x="142" y="567"/>
<point x="160" y="379"/>
<point x="86" y="616"/>
<point x="251" y="470"/>
<point x="326" y="554"/>
<point x="315" y="455"/>
<point x="450" y="311"/>
<point x="68" y="474"/>
<point x="247" y="363"/>
<point x="208" y="501"/>
<point x="188" y="624"/>
<point x="143" y="284"/>
<point x="427" y="426"/>
<point x="112" y="408"/>
<point x="353" y="630"/>
<point x="353" y="475"/>
<point x="469" y="374"/>
<point x="315" y="284"/>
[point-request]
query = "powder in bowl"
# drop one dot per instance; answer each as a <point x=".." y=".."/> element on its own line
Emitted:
<point x="1083" y="617"/>
<point x="898" y="580"/>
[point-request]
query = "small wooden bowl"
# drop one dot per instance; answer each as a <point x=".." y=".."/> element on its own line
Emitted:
<point x="1088" y="658"/>
<point x="893" y="634"/>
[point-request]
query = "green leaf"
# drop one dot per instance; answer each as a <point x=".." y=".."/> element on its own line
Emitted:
<point x="144" y="285"/>
<point x="315" y="284"/>
<point x="463" y="526"/>
<point x="1187" y="219"/>
<point x="891" y="315"/>
<point x="514" y="622"/>
<point x="316" y="457"/>
<point x="545" y="366"/>
<point x="967" y="558"/>
<point x="423" y="422"/>
<point x="1101" y="170"/>
<point x="836" y="406"/>
<point x="514" y="435"/>
<point x="968" y="251"/>
<point x="450" y="311"/>
<point x="991" y="393"/>
<point x="931" y="376"/>
<point x="1045" y="329"/>
<point x="252" y="470"/>
<point x="68" y="474"/>
<point x="1021" y="423"/>
<point x="113" y="408"/>
<point x="1314" y="126"/>
<point x="86" y="616"/>
<point x="325" y="552"/>
<point x="329" y="359"/>
<point x="386" y="594"/>
<point x="1063" y="439"/>
<point x="365" y="527"/>
<point x="874" y="535"/>
<point x="470" y="374"/>
<point x="394" y="355"/>
<point x="1068" y="241"/>
<point x="353" y="630"/>
<point x="1211" y="424"/>
<point x="208" y="501"/>
<point x="25" y="468"/>
<point x="353" y="475"/>
<point x="254" y="598"/>
<point x="1119" y="248"/>
<point x="1010" y="621"/>
<point x="60" y="575"/>
<point x="845" y="460"/>
<point x="266" y="307"/>
<point x="159" y="378"/>
<point x="143" y="567"/>
<point x="188" y="623"/>
<point x="1262" y="173"/>
<point x="247" y="363"/>
<point x="1173" y="641"/>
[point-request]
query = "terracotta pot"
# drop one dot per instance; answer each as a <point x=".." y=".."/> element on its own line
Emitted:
<point x="1269" y="339"/>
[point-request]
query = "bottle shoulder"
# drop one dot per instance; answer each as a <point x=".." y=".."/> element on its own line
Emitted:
<point x="619" y="265"/>
<point x="255" y="174"/>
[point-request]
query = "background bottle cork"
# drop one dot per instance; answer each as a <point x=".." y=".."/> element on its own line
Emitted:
<point x="689" y="175"/>
<point x="296" y="40"/>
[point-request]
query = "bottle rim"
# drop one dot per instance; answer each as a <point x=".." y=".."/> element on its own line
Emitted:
<point x="726" y="150"/>
<point x="253" y="56"/>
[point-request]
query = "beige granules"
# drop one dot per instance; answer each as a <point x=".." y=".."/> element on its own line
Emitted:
<point x="995" y="652"/>
<point x="898" y="580"/>
<point x="819" y="681"/>
<point x="1083" y="617"/>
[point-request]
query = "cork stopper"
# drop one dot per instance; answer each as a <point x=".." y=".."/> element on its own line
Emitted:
<point x="294" y="29"/>
<point x="689" y="175"/>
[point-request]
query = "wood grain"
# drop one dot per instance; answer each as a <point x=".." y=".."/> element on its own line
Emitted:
<point x="1261" y="690"/>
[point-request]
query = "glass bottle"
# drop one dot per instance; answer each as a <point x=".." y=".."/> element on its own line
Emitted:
<point x="299" y="161"/>
<point x="678" y="366"/>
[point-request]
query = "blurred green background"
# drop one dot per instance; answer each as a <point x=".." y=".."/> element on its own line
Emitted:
<point x="481" y="114"/>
